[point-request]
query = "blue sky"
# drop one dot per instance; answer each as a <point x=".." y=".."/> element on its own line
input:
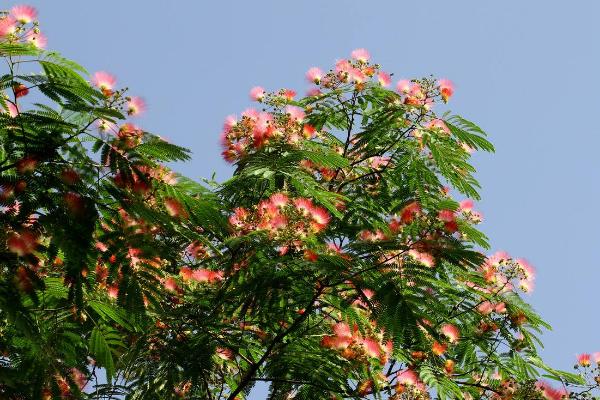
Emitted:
<point x="525" y="71"/>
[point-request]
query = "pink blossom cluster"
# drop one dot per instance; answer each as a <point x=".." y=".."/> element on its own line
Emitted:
<point x="200" y="275"/>
<point x="288" y="221"/>
<point x="585" y="359"/>
<point x="447" y="218"/>
<point x="504" y="273"/>
<point x="22" y="243"/>
<point x="353" y="344"/>
<point x="256" y="129"/>
<point x="20" y="25"/>
<point x="359" y="71"/>
<point x="550" y="392"/>
<point x="407" y="380"/>
<point x="128" y="134"/>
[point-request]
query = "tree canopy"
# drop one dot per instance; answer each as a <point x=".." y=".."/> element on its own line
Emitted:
<point x="341" y="260"/>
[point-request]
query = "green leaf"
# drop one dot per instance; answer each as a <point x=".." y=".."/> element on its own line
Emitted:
<point x="101" y="351"/>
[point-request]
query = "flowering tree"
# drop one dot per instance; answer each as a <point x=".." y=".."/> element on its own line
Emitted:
<point x="334" y="263"/>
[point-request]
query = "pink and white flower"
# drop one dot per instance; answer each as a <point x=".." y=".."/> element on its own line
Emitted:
<point x="23" y="13"/>
<point x="361" y="55"/>
<point x="257" y="93"/>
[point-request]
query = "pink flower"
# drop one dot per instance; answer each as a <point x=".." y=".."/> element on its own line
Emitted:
<point x="7" y="26"/>
<point x="314" y="75"/>
<point x="295" y="113"/>
<point x="438" y="124"/>
<point x="224" y="353"/>
<point x="485" y="308"/>
<point x="174" y="207"/>
<point x="446" y="89"/>
<point x="289" y="94"/>
<point x="584" y="359"/>
<point x="336" y="342"/>
<point x="206" y="275"/>
<point x="361" y="55"/>
<point x="24" y="14"/>
<point x="500" y="308"/>
<point x="368" y="293"/>
<point x="342" y="66"/>
<point x="12" y="110"/>
<point x="466" y="205"/>
<point x="170" y="284"/>
<point x="403" y="86"/>
<point x="407" y="377"/>
<point x="238" y="219"/>
<point x="101" y="246"/>
<point x="451" y="332"/>
<point x="230" y="122"/>
<point x="186" y="273"/>
<point x="113" y="291"/>
<point x="342" y="329"/>
<point x="357" y="76"/>
<point x="384" y="79"/>
<point x="104" y="80"/>
<point x="38" y="39"/>
<point x="250" y="113"/>
<point x="279" y="200"/>
<point x="423" y="258"/>
<point x="372" y="348"/>
<point x="257" y="93"/>
<point x="313" y="92"/>
<point x="135" y="106"/>
<point x="22" y="243"/>
<point x="550" y="392"/>
<point x="303" y="205"/>
<point x="527" y="268"/>
<point x="320" y="216"/>
<point x="446" y="215"/>
<point x="379" y="161"/>
<point x="79" y="378"/>
<point x="438" y="348"/>
<point x="596" y="357"/>
<point x="309" y="131"/>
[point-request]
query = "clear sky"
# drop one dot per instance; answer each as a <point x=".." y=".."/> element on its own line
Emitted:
<point x="525" y="71"/>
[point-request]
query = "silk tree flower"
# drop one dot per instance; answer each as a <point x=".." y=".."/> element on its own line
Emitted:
<point x="403" y="86"/>
<point x="22" y="243"/>
<point x="175" y="208"/>
<point x="550" y="392"/>
<point x="361" y="55"/>
<point x="23" y="13"/>
<point x="314" y="75"/>
<point x="384" y="79"/>
<point x="451" y="332"/>
<point x="135" y="106"/>
<point x="407" y="377"/>
<point x="104" y="81"/>
<point x="584" y="360"/>
<point x="466" y="205"/>
<point x="7" y="25"/>
<point x="38" y="39"/>
<point x="446" y="89"/>
<point x="257" y="93"/>
<point x="295" y="113"/>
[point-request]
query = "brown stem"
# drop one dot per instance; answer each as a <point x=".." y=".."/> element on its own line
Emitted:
<point x="249" y="375"/>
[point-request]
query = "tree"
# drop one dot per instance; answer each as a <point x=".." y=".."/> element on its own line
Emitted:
<point x="334" y="263"/>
